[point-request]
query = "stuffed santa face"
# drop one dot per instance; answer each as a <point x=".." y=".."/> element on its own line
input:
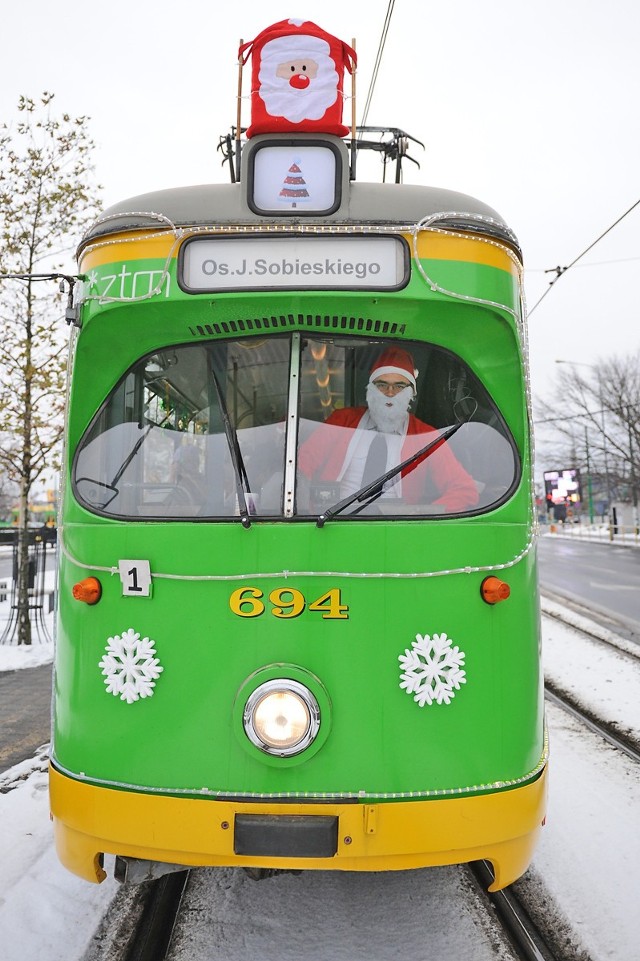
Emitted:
<point x="299" y="84"/>
<point x="297" y="74"/>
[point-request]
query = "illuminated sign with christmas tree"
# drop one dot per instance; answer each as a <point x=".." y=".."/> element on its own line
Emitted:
<point x="287" y="177"/>
<point x="294" y="188"/>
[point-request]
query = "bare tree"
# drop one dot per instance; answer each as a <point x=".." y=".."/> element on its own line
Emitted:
<point x="45" y="201"/>
<point x="594" y="422"/>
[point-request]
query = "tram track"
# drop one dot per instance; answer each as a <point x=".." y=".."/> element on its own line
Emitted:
<point x="595" y="623"/>
<point x="532" y="938"/>
<point x="510" y="913"/>
<point x="579" y="702"/>
<point x="151" y="938"/>
<point x="605" y="730"/>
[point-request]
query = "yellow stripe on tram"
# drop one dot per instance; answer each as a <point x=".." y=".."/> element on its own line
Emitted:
<point x="431" y="246"/>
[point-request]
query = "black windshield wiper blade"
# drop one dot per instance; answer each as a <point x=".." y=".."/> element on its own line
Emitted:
<point x="373" y="490"/>
<point x="136" y="447"/>
<point x="242" y="481"/>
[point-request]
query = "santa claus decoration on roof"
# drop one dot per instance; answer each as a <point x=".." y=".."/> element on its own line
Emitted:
<point x="297" y="79"/>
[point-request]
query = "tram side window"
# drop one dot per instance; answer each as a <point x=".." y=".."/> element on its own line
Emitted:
<point x="354" y="390"/>
<point x="159" y="446"/>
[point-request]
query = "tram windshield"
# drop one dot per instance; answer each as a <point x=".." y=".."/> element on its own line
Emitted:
<point x="296" y="427"/>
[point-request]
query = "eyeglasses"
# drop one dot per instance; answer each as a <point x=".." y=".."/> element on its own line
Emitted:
<point x="384" y="386"/>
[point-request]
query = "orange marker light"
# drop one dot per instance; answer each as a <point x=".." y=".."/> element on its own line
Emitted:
<point x="89" y="590"/>
<point x="494" y="590"/>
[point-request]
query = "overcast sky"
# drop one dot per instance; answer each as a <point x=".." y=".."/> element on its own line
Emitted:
<point x="530" y="106"/>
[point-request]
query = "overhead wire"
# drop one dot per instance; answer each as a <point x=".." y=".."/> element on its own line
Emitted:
<point x="376" y="66"/>
<point x="593" y="263"/>
<point x="560" y="271"/>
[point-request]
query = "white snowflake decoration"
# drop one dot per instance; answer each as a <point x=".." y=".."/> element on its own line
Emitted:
<point x="130" y="667"/>
<point x="432" y="671"/>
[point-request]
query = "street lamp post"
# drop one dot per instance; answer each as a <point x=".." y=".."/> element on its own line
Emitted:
<point x="589" y="484"/>
<point x="634" y="488"/>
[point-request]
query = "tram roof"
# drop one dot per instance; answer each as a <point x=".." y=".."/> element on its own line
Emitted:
<point x="367" y="204"/>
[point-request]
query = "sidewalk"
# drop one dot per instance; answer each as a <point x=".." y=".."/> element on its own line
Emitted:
<point x="25" y="710"/>
<point x="25" y="695"/>
<point x="601" y="533"/>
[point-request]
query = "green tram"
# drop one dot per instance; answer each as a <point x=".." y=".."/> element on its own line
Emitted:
<point x="279" y="648"/>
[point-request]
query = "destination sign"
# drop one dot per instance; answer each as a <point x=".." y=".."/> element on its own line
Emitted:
<point x="299" y="263"/>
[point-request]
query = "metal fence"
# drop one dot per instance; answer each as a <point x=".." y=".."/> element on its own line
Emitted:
<point x="41" y="558"/>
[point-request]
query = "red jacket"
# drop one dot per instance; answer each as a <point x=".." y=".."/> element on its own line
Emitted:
<point x="323" y="455"/>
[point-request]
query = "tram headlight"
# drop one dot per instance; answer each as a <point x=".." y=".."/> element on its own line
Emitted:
<point x="281" y="717"/>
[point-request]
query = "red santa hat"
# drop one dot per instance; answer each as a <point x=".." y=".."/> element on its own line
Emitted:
<point x="394" y="360"/>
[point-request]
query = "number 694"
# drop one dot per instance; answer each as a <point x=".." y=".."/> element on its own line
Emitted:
<point x="287" y="602"/>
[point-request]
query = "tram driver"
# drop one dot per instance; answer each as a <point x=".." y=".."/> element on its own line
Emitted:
<point x="381" y="435"/>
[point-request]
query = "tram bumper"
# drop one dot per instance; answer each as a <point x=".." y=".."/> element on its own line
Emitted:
<point x="155" y="830"/>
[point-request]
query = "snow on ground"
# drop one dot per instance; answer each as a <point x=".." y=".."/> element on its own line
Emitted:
<point x="601" y="533"/>
<point x="586" y="861"/>
<point x="603" y="678"/>
<point x="46" y="914"/>
<point x="14" y="658"/>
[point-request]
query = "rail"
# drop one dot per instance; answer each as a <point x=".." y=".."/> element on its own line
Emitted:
<point x="602" y="728"/>
<point x="512" y="916"/>
<point x="151" y="938"/>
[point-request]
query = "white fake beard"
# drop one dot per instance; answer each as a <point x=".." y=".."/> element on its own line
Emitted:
<point x="281" y="100"/>
<point x="389" y="414"/>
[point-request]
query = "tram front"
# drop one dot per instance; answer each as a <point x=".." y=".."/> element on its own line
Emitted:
<point x="298" y="620"/>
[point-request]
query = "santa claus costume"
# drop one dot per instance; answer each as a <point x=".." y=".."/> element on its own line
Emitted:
<point x="334" y="455"/>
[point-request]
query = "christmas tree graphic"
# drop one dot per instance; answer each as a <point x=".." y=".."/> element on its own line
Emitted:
<point x="294" y="188"/>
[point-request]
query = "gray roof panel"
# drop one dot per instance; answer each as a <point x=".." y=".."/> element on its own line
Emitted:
<point x="367" y="203"/>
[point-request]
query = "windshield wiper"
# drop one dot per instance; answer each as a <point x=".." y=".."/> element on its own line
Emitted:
<point x="242" y="481"/>
<point x="132" y="453"/>
<point x="373" y="490"/>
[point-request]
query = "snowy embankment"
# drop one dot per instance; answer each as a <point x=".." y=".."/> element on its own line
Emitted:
<point x="583" y="880"/>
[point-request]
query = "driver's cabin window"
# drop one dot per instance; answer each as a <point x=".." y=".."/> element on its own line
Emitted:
<point x="369" y="408"/>
<point x="201" y="431"/>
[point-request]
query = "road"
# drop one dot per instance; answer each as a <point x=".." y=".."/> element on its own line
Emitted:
<point x="603" y="577"/>
<point x="6" y="565"/>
